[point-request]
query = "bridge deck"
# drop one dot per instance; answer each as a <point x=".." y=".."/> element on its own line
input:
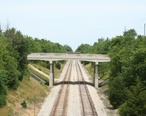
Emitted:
<point x="66" y="56"/>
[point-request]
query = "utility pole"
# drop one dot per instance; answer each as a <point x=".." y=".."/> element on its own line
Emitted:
<point x="125" y="28"/>
<point x="144" y="29"/>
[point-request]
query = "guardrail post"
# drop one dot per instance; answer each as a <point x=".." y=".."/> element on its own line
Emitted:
<point x="51" y="74"/>
<point x="96" y="75"/>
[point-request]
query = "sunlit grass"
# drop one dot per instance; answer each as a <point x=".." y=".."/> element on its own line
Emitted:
<point x="90" y="70"/>
<point x="39" y="75"/>
<point x="41" y="68"/>
<point x="46" y="71"/>
<point x="29" y="90"/>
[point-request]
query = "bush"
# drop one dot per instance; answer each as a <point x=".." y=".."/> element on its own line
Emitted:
<point x="85" y="62"/>
<point x="24" y="104"/>
<point x="58" y="65"/>
<point x="117" y="94"/>
<point x="3" y="100"/>
<point x="136" y="103"/>
<point x="3" y="94"/>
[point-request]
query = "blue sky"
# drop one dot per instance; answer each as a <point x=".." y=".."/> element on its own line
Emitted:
<point x="73" y="22"/>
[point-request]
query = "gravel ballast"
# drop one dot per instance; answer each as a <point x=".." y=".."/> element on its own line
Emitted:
<point x="74" y="105"/>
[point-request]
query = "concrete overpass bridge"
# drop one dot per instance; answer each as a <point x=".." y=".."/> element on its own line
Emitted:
<point x="51" y="57"/>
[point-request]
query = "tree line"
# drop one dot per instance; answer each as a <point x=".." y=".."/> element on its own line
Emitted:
<point x="14" y="48"/>
<point x="127" y="70"/>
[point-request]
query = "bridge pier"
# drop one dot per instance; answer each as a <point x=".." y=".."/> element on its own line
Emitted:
<point x="95" y="75"/>
<point x="67" y="56"/>
<point x="51" y="80"/>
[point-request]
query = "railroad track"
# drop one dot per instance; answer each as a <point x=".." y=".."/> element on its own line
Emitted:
<point x="88" y="108"/>
<point x="61" y="102"/>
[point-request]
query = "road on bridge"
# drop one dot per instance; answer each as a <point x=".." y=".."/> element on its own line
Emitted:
<point x="73" y="94"/>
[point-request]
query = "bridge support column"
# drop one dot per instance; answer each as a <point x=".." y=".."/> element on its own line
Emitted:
<point x="51" y="80"/>
<point x="53" y="71"/>
<point x="96" y="75"/>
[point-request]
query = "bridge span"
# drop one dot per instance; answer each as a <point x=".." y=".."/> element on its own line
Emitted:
<point x="51" y="57"/>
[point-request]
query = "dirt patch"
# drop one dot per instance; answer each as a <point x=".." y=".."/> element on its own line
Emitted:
<point x="31" y="110"/>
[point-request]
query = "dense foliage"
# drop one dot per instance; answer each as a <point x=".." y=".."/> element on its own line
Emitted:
<point x="14" y="48"/>
<point x="135" y="105"/>
<point x="84" y="48"/>
<point x="127" y="77"/>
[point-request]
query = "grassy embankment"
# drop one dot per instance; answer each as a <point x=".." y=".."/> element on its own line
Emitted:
<point x="102" y="78"/>
<point x="30" y="91"/>
<point x="46" y="71"/>
<point x="41" y="68"/>
<point x="90" y="70"/>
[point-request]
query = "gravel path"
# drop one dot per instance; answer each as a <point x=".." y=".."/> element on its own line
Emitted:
<point x="74" y="105"/>
<point x="29" y="65"/>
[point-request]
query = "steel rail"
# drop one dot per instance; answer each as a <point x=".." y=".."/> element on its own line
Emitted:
<point x="80" y="92"/>
<point x="66" y="89"/>
<point x="79" y="72"/>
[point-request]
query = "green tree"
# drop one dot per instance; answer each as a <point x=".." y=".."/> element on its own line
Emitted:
<point x="84" y="48"/>
<point x="117" y="94"/>
<point x="12" y="72"/>
<point x="18" y="48"/>
<point x="130" y="32"/>
<point x="3" y="88"/>
<point x="135" y="67"/>
<point x="68" y="48"/>
<point x="136" y="103"/>
<point x="8" y="64"/>
<point x="58" y="65"/>
<point x="14" y="48"/>
<point x="101" y="47"/>
<point x="3" y="72"/>
<point x="120" y="69"/>
<point x="3" y="98"/>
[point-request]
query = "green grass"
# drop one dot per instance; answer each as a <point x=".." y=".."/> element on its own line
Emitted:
<point x="45" y="70"/>
<point x="30" y="91"/>
<point x="90" y="70"/>
<point x="57" y="71"/>
<point x="41" y="68"/>
<point x="105" y="76"/>
<point x="39" y="75"/>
